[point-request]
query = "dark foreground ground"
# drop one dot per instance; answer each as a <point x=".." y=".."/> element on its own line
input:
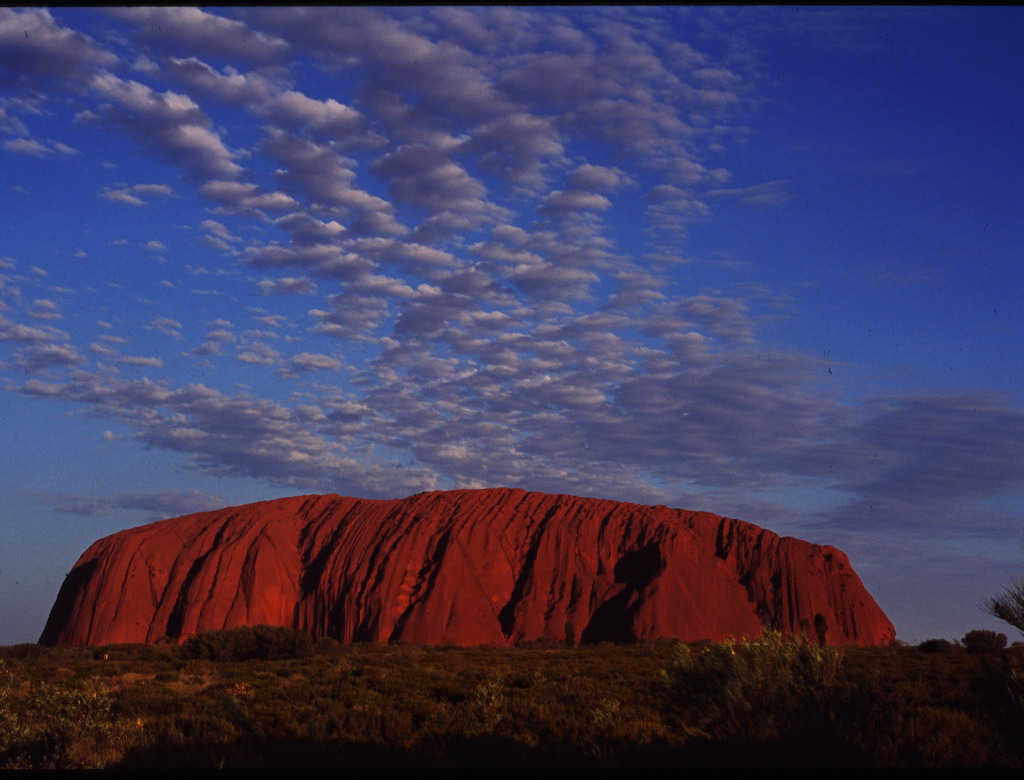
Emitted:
<point x="297" y="704"/>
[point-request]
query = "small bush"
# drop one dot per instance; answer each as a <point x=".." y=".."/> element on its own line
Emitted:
<point x="247" y="643"/>
<point x="756" y="690"/>
<point x="983" y="641"/>
<point x="936" y="646"/>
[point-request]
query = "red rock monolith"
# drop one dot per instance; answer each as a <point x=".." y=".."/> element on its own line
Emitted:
<point x="465" y="567"/>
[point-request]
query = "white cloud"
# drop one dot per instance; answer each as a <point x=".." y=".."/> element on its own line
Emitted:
<point x="170" y="123"/>
<point x="232" y="435"/>
<point x="257" y="353"/>
<point x="27" y="146"/>
<point x="156" y="505"/>
<point x="167" y="326"/>
<point x="135" y="360"/>
<point x="247" y="199"/>
<point x="327" y="180"/>
<point x="44" y="310"/>
<point x="40" y="356"/>
<point x="287" y="285"/>
<point x="195" y="30"/>
<point x="136" y="195"/>
<point x="311" y="361"/>
<point x="32" y="44"/>
<point x="12" y="331"/>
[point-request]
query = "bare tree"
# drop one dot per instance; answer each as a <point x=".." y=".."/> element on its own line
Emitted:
<point x="1008" y="606"/>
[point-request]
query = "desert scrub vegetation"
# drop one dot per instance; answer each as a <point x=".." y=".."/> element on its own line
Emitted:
<point x="247" y="643"/>
<point x="983" y="641"/>
<point x="936" y="646"/>
<point x="775" y="701"/>
<point x="756" y="690"/>
<point x="58" y="725"/>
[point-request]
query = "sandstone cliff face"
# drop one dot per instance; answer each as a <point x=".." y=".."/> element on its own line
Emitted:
<point x="465" y="567"/>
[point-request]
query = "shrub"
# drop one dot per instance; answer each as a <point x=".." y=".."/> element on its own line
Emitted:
<point x="245" y="643"/>
<point x="936" y="646"/>
<point x="983" y="641"/>
<point x="894" y="732"/>
<point x="755" y="690"/>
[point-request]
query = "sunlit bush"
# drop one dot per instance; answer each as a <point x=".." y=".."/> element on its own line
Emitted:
<point x="754" y="690"/>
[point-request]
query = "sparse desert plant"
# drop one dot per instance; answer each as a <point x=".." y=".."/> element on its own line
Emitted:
<point x="983" y="641"/>
<point x="1008" y="606"/>
<point x="754" y="690"/>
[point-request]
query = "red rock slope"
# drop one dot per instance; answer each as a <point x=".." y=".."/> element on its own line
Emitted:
<point x="466" y="567"/>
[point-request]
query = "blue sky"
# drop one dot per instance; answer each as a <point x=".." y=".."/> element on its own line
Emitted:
<point x="762" y="262"/>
